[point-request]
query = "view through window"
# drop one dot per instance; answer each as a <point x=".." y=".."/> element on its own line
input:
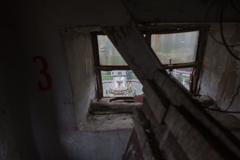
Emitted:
<point x="175" y="48"/>
<point x="183" y="75"/>
<point x="108" y="54"/>
<point x="115" y="81"/>
<point x="176" y="51"/>
<point x="120" y="83"/>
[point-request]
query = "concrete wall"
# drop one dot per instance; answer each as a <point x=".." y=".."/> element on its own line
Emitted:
<point x="80" y="66"/>
<point x="33" y="121"/>
<point x="16" y="141"/>
<point x="221" y="74"/>
<point x="96" y="145"/>
<point x="56" y="113"/>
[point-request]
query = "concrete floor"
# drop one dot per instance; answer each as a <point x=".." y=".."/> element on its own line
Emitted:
<point x="97" y="145"/>
<point x="103" y="137"/>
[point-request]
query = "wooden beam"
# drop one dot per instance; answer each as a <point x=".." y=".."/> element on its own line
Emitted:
<point x="140" y="57"/>
<point x="195" y="145"/>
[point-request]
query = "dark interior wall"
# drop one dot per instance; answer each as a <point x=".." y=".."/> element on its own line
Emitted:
<point x="53" y="111"/>
<point x="181" y="11"/>
<point x="81" y="70"/>
<point x="33" y="117"/>
<point x="8" y="147"/>
<point x="221" y="76"/>
<point x="16" y="140"/>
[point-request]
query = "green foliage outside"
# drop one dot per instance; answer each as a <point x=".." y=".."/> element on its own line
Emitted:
<point x="106" y="76"/>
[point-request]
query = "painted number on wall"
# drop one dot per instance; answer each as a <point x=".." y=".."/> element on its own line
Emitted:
<point x="46" y="81"/>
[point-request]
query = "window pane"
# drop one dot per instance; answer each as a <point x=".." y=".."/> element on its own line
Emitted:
<point x="108" y="54"/>
<point x="183" y="75"/>
<point x="120" y="83"/>
<point x="175" y="48"/>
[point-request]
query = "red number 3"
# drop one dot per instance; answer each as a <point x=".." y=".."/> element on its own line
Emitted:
<point x="44" y="86"/>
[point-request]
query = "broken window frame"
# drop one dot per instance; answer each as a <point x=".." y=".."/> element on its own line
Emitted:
<point x="148" y="31"/>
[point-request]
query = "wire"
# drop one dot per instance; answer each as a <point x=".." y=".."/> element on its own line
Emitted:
<point x="227" y="46"/>
<point x="223" y="111"/>
<point x="231" y="53"/>
<point x="218" y="109"/>
<point x="223" y="37"/>
<point x="233" y="97"/>
<point x="220" y="42"/>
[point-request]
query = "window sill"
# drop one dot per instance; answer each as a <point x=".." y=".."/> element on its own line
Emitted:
<point x="111" y="106"/>
<point x="108" y="122"/>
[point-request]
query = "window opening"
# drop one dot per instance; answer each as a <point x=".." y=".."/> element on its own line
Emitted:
<point x="183" y="75"/>
<point x="121" y="83"/>
<point x="115" y="79"/>
<point x="108" y="54"/>
<point x="175" y="48"/>
<point x="177" y="51"/>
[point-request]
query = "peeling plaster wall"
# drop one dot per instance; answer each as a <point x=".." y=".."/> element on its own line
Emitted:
<point x="54" y="114"/>
<point x="33" y="122"/>
<point x="84" y="143"/>
<point x="221" y="73"/>
<point x="80" y="66"/>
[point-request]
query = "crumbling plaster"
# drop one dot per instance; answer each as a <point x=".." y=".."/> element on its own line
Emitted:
<point x="37" y="120"/>
<point x="220" y="74"/>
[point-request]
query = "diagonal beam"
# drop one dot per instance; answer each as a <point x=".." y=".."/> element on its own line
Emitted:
<point x="140" y="57"/>
<point x="123" y="38"/>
